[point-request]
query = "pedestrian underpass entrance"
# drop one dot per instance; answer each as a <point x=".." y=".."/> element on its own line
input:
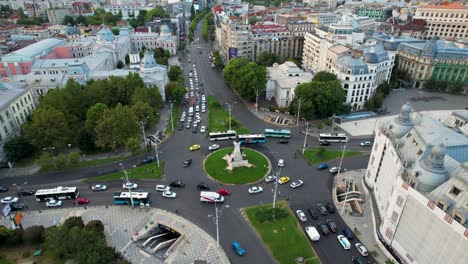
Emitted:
<point x="158" y="240"/>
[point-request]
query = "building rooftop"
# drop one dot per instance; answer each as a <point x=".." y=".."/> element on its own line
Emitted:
<point x="446" y="5"/>
<point x="268" y="27"/>
<point x="9" y="93"/>
<point x="38" y="48"/>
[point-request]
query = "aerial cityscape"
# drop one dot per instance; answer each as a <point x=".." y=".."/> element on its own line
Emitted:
<point x="234" y="131"/>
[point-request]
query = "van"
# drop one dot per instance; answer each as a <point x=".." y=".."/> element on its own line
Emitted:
<point x="211" y="197"/>
<point x="312" y="233"/>
<point x="162" y="188"/>
<point x="190" y="111"/>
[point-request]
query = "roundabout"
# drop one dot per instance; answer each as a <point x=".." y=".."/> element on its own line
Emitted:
<point x="216" y="167"/>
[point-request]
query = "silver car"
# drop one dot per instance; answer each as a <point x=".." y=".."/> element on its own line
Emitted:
<point x="301" y="215"/>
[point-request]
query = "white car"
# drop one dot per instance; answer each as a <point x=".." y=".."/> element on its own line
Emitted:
<point x="255" y="189"/>
<point x="270" y="178"/>
<point x="129" y="185"/>
<point x="9" y="200"/>
<point x="99" y="187"/>
<point x="169" y="194"/>
<point x="202" y="129"/>
<point x="281" y="163"/>
<point x="344" y="242"/>
<point x="297" y="183"/>
<point x="301" y="215"/>
<point x="213" y="147"/>
<point x="162" y="188"/>
<point x="361" y="249"/>
<point x="54" y="203"/>
<point x="334" y="170"/>
<point x="365" y="144"/>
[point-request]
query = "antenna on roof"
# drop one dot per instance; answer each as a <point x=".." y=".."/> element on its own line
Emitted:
<point x="102" y="17"/>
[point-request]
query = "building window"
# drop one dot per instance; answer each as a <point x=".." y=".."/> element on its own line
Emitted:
<point x="457" y="218"/>
<point x="441" y="205"/>
<point x="394" y="217"/>
<point x="419" y="152"/>
<point x="389" y="233"/>
<point x="400" y="201"/>
<point x="455" y="191"/>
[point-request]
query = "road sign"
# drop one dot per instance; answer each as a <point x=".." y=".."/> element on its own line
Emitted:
<point x="6" y="210"/>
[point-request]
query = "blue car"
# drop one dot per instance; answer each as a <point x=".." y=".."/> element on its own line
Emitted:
<point x="322" y="166"/>
<point x="237" y="247"/>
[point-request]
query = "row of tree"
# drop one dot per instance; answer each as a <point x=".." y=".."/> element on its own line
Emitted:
<point x="245" y="77"/>
<point x="195" y="19"/>
<point x="208" y="26"/>
<point x="175" y="90"/>
<point x="99" y="17"/>
<point x="444" y="86"/>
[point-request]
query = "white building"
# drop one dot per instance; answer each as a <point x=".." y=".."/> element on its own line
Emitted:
<point x="16" y="104"/>
<point x="282" y="81"/>
<point x="418" y="176"/>
<point x="153" y="40"/>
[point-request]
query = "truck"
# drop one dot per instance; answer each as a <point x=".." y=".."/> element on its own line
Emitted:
<point x="312" y="233"/>
<point x="190" y="111"/>
<point x="211" y="197"/>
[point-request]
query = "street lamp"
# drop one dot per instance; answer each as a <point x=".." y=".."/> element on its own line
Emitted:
<point x="305" y="137"/>
<point x="126" y="183"/>
<point x="20" y="193"/>
<point x="216" y="216"/>
<point x="53" y="156"/>
<point x="230" y="109"/>
<point x="69" y="148"/>
<point x="257" y="93"/>
<point x="142" y="125"/>
<point x="156" y="147"/>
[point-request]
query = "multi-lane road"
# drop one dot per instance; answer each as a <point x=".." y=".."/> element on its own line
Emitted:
<point x="233" y="226"/>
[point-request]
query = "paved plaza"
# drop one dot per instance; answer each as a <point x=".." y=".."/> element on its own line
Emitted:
<point x="122" y="224"/>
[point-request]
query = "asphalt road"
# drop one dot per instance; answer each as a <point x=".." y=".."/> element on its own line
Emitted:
<point x="233" y="226"/>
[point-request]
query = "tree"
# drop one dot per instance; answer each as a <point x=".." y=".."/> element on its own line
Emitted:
<point x="68" y="20"/>
<point x="232" y="68"/>
<point x="267" y="59"/>
<point x="34" y="234"/>
<point x="253" y="20"/>
<point x="74" y="221"/>
<point x="324" y="76"/>
<point x="148" y="95"/>
<point x="120" y="64"/>
<point x="115" y="31"/>
<point x="245" y="77"/>
<point x="133" y="145"/>
<point x="144" y="112"/>
<point x="94" y="114"/>
<point x="127" y="59"/>
<point x="95" y="225"/>
<point x="157" y="12"/>
<point x="18" y="148"/>
<point x="174" y="73"/>
<point x="5" y="233"/>
<point x="175" y="92"/>
<point x="192" y="11"/>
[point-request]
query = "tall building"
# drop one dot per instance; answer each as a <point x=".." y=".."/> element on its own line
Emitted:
<point x="272" y="38"/>
<point x="56" y="15"/>
<point x="417" y="174"/>
<point x="233" y="37"/>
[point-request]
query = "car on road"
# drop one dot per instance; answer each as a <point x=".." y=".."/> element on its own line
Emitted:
<point x="255" y="189"/>
<point x="347" y="232"/>
<point x="213" y="147"/>
<point x="322" y="166"/>
<point x="54" y="203"/>
<point x="9" y="200"/>
<point x="344" y="242"/>
<point x="270" y="178"/>
<point x="323" y="228"/>
<point x="238" y="249"/>
<point x="330" y="208"/>
<point x="194" y="147"/>
<point x="180" y="126"/>
<point x="129" y="185"/>
<point x="366" y="144"/>
<point x="202" y="129"/>
<point x="333" y="170"/>
<point x="313" y="213"/>
<point x="99" y="187"/>
<point x="283" y="141"/>
<point x="3" y="189"/>
<point x="281" y="163"/>
<point x="26" y="192"/>
<point x="359" y="260"/>
<point x="203" y="186"/>
<point x="178" y="184"/>
<point x="162" y="188"/>
<point x="80" y="200"/>
<point x="324" y="143"/>
<point x="187" y="126"/>
<point x="296" y="184"/>
<point x="283" y="180"/>
<point x="195" y="128"/>
<point x="169" y="194"/>
<point x="332" y="225"/>
<point x="148" y="159"/>
<point x="322" y="209"/>
<point x="17" y="206"/>
<point x="187" y="163"/>
<point x="361" y="249"/>
<point x="224" y="191"/>
<point x="301" y="215"/>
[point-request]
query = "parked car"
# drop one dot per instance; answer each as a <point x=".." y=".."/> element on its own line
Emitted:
<point x="366" y="144"/>
<point x="129" y="185"/>
<point x="344" y="242"/>
<point x="17" y="206"/>
<point x="281" y="163"/>
<point x="283" y="141"/>
<point x="332" y="225"/>
<point x="162" y="188"/>
<point x="270" y="178"/>
<point x="187" y="163"/>
<point x="3" y="189"/>
<point x="99" y="187"/>
<point x="359" y="260"/>
<point x="296" y="184"/>
<point x="203" y="186"/>
<point x="347" y="232"/>
<point x="324" y="143"/>
<point x="330" y="208"/>
<point x="255" y="189"/>
<point x="178" y="184"/>
<point x="361" y="249"/>
<point x="9" y="200"/>
<point x="322" y="166"/>
<point x="238" y="249"/>
<point x="54" y="203"/>
<point x="80" y="200"/>
<point x="148" y="159"/>
<point x="301" y="215"/>
<point x="169" y="194"/>
<point x="322" y="209"/>
<point x="26" y="192"/>
<point x="323" y="228"/>
<point x="313" y="213"/>
<point x="224" y="191"/>
<point x="283" y="180"/>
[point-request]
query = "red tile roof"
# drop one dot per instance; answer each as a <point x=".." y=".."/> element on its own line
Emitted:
<point x="446" y="5"/>
<point x="261" y="28"/>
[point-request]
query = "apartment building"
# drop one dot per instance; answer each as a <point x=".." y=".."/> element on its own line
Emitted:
<point x="35" y="32"/>
<point x="323" y="19"/>
<point x="272" y="38"/>
<point x="56" y="15"/>
<point x="447" y="21"/>
<point x="233" y="37"/>
<point x="315" y="52"/>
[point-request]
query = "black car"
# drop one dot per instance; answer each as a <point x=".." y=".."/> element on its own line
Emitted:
<point x="313" y="213"/>
<point x="187" y="163"/>
<point x="323" y="210"/>
<point x="148" y="159"/>
<point x="195" y="129"/>
<point x="347" y="232"/>
<point x="179" y="184"/>
<point x="3" y="189"/>
<point x="26" y="192"/>
<point x="17" y="206"/>
<point x="180" y="126"/>
<point x="200" y="84"/>
<point x="332" y="225"/>
<point x="323" y="228"/>
<point x="359" y="260"/>
<point x="324" y="143"/>
<point x="283" y="141"/>
<point x="203" y="186"/>
<point x="330" y="207"/>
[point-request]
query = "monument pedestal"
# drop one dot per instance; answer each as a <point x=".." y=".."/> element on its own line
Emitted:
<point x="236" y="159"/>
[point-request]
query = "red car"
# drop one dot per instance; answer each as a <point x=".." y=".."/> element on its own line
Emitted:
<point x="80" y="200"/>
<point x="224" y="192"/>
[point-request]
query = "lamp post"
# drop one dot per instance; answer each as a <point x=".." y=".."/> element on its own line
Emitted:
<point x="126" y="183"/>
<point x="298" y="110"/>
<point x="229" y="110"/>
<point x="20" y="193"/>
<point x="142" y="125"/>
<point x="257" y="93"/>
<point x="69" y="148"/>
<point x="156" y="148"/>
<point x="51" y="149"/>
<point x="305" y="137"/>
<point x="216" y="216"/>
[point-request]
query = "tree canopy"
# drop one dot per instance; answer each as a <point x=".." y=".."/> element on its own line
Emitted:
<point x="267" y="59"/>
<point x="245" y="77"/>
<point x="157" y="12"/>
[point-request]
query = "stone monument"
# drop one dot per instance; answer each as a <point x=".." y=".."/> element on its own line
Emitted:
<point x="236" y="159"/>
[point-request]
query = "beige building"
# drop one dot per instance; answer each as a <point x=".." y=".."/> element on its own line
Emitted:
<point x="272" y="38"/>
<point x="314" y="52"/>
<point x="233" y="37"/>
<point x="448" y="21"/>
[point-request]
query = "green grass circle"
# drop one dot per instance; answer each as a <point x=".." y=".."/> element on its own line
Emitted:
<point x="215" y="167"/>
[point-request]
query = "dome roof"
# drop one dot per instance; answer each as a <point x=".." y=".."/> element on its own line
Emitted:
<point x="148" y="63"/>
<point x="390" y="46"/>
<point x="165" y="31"/>
<point x="433" y="171"/>
<point x="371" y="58"/>
<point x="402" y="124"/>
<point x="105" y="35"/>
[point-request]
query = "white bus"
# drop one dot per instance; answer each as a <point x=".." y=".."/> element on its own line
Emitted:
<point x="230" y="134"/>
<point x="333" y="137"/>
<point x="59" y="193"/>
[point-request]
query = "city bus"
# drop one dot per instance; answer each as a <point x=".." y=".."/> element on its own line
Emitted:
<point x="279" y="133"/>
<point x="59" y="193"/>
<point x="251" y="139"/>
<point x="333" y="138"/>
<point x="230" y="134"/>
<point x="138" y="198"/>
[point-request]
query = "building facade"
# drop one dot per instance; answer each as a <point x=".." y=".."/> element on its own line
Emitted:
<point x="56" y="15"/>
<point x="272" y="38"/>
<point x="153" y="40"/>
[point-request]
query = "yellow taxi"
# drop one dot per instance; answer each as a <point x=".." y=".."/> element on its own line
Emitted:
<point x="283" y="180"/>
<point x="194" y="147"/>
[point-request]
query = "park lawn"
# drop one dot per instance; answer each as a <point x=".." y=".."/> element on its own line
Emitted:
<point x="14" y="254"/>
<point x="218" y="118"/>
<point x="215" y="166"/>
<point x="312" y="157"/>
<point x="283" y="237"/>
<point x="149" y="171"/>
<point x="175" y="116"/>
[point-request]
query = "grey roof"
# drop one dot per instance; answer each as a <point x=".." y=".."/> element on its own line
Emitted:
<point x="348" y="62"/>
<point x="436" y="49"/>
<point x="462" y="114"/>
<point x="371" y="58"/>
<point x="38" y="48"/>
<point x="9" y="93"/>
